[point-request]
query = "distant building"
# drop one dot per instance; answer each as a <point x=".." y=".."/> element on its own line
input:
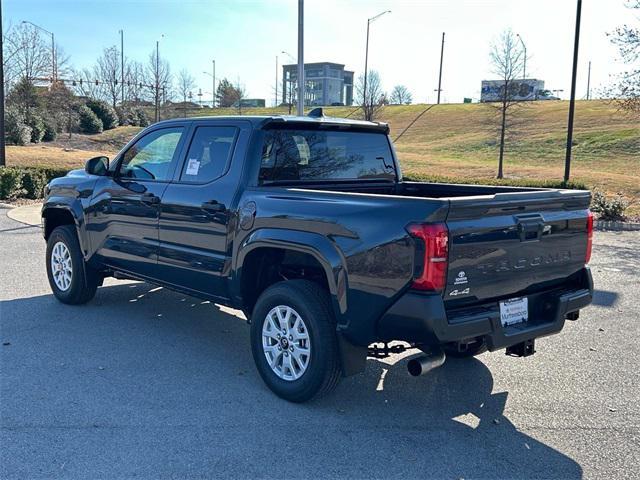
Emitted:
<point x="326" y="83"/>
<point x="526" y="89"/>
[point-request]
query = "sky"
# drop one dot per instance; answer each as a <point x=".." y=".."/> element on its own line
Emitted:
<point x="245" y="36"/>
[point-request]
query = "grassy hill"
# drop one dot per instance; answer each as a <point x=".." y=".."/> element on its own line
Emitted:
<point x="459" y="142"/>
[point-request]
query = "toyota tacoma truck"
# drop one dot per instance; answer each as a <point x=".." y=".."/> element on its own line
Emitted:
<point x="307" y="225"/>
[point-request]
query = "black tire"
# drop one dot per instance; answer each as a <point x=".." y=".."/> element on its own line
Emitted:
<point x="84" y="279"/>
<point x="472" y="350"/>
<point x="311" y="302"/>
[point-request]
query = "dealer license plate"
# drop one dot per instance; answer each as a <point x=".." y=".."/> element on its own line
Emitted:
<point x="514" y="310"/>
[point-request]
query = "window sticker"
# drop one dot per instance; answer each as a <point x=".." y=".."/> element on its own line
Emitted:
<point x="193" y="167"/>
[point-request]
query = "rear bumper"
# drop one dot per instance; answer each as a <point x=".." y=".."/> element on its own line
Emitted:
<point x="422" y="318"/>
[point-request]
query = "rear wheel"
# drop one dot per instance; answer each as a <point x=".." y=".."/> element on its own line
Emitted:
<point x="71" y="279"/>
<point x="293" y="340"/>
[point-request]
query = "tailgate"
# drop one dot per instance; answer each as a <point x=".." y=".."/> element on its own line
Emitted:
<point x="514" y="243"/>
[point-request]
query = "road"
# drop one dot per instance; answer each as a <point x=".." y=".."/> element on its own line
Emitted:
<point x="146" y="383"/>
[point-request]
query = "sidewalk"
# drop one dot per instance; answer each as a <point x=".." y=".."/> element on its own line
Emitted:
<point x="29" y="214"/>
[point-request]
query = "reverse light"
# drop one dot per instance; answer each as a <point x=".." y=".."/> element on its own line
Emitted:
<point x="433" y="253"/>
<point x="589" y="237"/>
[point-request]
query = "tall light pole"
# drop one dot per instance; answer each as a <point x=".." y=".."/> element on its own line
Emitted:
<point x="53" y="48"/>
<point x="2" y="149"/>
<point x="572" y="102"/>
<point x="213" y="76"/>
<point x="122" y="66"/>
<point x="300" y="57"/>
<point x="440" y="76"/>
<point x="289" y="81"/>
<point x="366" y="55"/>
<point x="589" y="82"/>
<point x="158" y="78"/>
<point x="276" y="102"/>
<point x="524" y="69"/>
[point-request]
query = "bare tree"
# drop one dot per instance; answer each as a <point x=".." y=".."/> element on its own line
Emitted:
<point x="186" y="83"/>
<point x="86" y="83"/>
<point x="507" y="62"/>
<point x="400" y="95"/>
<point x="375" y="97"/>
<point x="108" y="72"/>
<point x="158" y="76"/>
<point x="627" y="88"/>
<point x="27" y="52"/>
<point x="134" y="79"/>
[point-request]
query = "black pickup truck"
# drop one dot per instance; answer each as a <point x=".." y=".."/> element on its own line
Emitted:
<point x="306" y="225"/>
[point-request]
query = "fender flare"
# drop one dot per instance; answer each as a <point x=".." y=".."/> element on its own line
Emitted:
<point x="75" y="209"/>
<point x="314" y="244"/>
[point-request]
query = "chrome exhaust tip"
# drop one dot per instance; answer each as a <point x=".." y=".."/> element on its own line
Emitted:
<point x="425" y="363"/>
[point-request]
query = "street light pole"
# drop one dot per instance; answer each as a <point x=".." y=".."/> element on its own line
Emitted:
<point x="213" y="101"/>
<point x="572" y="102"/>
<point x="53" y="48"/>
<point x="300" y="57"/>
<point x="276" y="103"/>
<point x="2" y="149"/>
<point x="366" y="56"/>
<point x="122" y="67"/>
<point x="157" y="81"/>
<point x="524" y="69"/>
<point x="441" y="61"/>
<point x="589" y="82"/>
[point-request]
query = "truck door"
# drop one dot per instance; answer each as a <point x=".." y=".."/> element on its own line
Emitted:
<point x="123" y="223"/>
<point x="196" y="211"/>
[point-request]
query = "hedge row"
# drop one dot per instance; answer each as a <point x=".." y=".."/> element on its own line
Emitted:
<point x="23" y="182"/>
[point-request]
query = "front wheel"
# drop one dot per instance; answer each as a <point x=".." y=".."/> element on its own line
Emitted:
<point x="71" y="279"/>
<point x="293" y="340"/>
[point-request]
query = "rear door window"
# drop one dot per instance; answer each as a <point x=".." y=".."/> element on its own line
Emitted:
<point x="308" y="155"/>
<point x="208" y="154"/>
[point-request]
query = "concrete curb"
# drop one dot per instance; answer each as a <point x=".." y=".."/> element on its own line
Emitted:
<point x="27" y="214"/>
<point x="613" y="226"/>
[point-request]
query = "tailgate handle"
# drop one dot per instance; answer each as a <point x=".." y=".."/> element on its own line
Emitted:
<point x="530" y="228"/>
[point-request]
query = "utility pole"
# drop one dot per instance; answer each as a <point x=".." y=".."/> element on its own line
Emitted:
<point x="276" y="104"/>
<point x="441" y="61"/>
<point x="122" y="67"/>
<point x="572" y="102"/>
<point x="213" y="102"/>
<point x="300" y="57"/>
<point x="589" y="82"/>
<point x="2" y="149"/>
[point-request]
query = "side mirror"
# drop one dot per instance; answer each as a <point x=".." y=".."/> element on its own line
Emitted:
<point x="97" y="166"/>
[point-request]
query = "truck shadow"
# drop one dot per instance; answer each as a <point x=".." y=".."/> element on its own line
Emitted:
<point x="141" y="355"/>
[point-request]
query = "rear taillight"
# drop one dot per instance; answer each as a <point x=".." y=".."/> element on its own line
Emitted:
<point x="589" y="237"/>
<point x="433" y="254"/>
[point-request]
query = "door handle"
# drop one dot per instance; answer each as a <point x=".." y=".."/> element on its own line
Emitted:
<point x="213" y="206"/>
<point x="150" y="198"/>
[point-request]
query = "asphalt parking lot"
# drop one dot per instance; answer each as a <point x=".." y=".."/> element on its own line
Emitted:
<point x="146" y="383"/>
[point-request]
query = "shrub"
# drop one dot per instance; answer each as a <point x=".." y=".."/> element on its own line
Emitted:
<point x="89" y="121"/>
<point x="16" y="129"/>
<point x="36" y="123"/>
<point x="104" y="112"/>
<point x="50" y="130"/>
<point x="143" y="120"/>
<point x="11" y="183"/>
<point x="33" y="183"/>
<point x="609" y="209"/>
<point x="17" y="182"/>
